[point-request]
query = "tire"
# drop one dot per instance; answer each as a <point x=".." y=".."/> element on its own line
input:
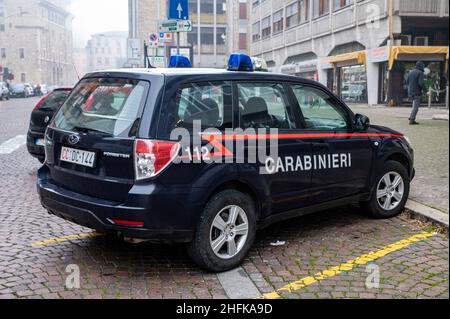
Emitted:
<point x="380" y="207"/>
<point x="200" y="249"/>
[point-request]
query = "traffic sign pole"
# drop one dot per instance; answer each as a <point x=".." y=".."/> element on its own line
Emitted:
<point x="178" y="43"/>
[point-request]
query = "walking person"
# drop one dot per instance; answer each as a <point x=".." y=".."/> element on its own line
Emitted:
<point x="415" y="87"/>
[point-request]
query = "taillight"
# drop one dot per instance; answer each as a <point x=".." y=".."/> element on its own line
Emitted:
<point x="152" y="157"/>
<point x="40" y="101"/>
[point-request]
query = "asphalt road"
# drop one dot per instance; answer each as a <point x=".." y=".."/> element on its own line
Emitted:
<point x="334" y="254"/>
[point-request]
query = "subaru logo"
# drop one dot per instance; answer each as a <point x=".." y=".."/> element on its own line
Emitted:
<point x="73" y="139"/>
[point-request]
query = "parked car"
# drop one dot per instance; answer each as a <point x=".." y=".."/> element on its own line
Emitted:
<point x="30" y="89"/>
<point x="44" y="89"/>
<point x="40" y="117"/>
<point x="120" y="157"/>
<point x="4" y="91"/>
<point x="20" y="90"/>
<point x="52" y="88"/>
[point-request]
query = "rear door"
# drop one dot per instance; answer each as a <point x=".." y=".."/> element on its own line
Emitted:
<point x="342" y="159"/>
<point x="90" y="144"/>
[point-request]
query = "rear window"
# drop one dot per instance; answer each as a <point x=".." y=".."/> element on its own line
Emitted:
<point x="54" y="100"/>
<point x="18" y="86"/>
<point x="104" y="105"/>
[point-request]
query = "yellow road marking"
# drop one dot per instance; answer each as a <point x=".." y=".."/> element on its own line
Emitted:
<point x="361" y="260"/>
<point x="58" y="240"/>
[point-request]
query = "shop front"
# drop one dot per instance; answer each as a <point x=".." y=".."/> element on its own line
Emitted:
<point x="349" y="79"/>
<point x="302" y="65"/>
<point x="397" y="62"/>
<point x="305" y="69"/>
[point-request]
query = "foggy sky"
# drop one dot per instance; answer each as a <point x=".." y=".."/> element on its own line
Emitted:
<point x="94" y="16"/>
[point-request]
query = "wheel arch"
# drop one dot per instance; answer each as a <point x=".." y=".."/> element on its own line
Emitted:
<point x="243" y="187"/>
<point x="400" y="158"/>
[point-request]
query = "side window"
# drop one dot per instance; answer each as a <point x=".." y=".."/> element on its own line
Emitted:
<point x="209" y="103"/>
<point x="318" y="109"/>
<point x="264" y="105"/>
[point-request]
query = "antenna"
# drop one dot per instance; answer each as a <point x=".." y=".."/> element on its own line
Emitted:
<point x="76" y="71"/>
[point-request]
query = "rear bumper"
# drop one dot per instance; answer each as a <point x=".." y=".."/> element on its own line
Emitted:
<point x="168" y="215"/>
<point x="35" y="150"/>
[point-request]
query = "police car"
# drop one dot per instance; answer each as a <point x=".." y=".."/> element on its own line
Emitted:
<point x="207" y="157"/>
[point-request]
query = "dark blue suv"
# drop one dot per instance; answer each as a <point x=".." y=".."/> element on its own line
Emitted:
<point x="117" y="159"/>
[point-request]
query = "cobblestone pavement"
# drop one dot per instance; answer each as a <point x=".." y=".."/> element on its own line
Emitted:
<point x="430" y="140"/>
<point x="112" y="269"/>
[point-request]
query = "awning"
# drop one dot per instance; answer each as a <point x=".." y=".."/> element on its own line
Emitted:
<point x="358" y="56"/>
<point x="397" y="50"/>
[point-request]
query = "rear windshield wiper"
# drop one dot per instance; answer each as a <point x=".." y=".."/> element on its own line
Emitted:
<point x="89" y="130"/>
<point x="46" y="109"/>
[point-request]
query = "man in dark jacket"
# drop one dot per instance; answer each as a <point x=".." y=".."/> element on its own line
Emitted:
<point x="415" y="87"/>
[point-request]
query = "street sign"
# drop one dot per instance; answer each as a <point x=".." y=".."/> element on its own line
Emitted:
<point x="165" y="37"/>
<point x="153" y="40"/>
<point x="185" y="26"/>
<point x="178" y="10"/>
<point x="174" y="26"/>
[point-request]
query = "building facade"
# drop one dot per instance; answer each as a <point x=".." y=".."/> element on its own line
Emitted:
<point x="361" y="49"/>
<point x="107" y="50"/>
<point x="219" y="27"/>
<point x="36" y="41"/>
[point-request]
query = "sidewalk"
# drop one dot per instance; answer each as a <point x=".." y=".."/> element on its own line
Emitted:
<point x="430" y="141"/>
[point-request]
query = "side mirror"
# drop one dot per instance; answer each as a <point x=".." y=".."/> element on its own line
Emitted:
<point x="362" y="122"/>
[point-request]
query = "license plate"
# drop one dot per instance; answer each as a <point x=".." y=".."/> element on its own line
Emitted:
<point x="39" y="142"/>
<point x="79" y="157"/>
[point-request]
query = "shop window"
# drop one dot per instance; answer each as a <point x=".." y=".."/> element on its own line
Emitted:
<point x="435" y="78"/>
<point x="353" y="83"/>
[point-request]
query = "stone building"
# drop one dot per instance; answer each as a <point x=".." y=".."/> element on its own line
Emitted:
<point x="362" y="49"/>
<point x="107" y="50"/>
<point x="219" y="28"/>
<point x="36" y="41"/>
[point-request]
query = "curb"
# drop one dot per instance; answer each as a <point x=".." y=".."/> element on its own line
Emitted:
<point x="432" y="215"/>
<point x="442" y="117"/>
<point x="238" y="285"/>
